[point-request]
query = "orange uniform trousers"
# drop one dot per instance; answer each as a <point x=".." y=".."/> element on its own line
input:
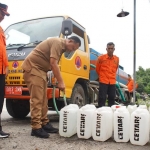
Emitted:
<point x="38" y="99"/>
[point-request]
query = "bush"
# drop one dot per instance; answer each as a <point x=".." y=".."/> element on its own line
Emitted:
<point x="138" y="95"/>
<point x="141" y="102"/>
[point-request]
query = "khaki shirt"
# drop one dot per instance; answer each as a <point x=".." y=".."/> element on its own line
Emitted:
<point x="38" y="61"/>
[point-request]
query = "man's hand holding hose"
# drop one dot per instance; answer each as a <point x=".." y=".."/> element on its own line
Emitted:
<point x="56" y="72"/>
<point x="61" y="86"/>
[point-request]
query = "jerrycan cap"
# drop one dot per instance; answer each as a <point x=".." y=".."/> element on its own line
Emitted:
<point x="117" y="106"/>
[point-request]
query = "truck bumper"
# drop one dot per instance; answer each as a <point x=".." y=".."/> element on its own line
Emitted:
<point x="25" y="94"/>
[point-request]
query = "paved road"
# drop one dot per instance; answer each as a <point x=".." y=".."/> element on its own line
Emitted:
<point x="20" y="138"/>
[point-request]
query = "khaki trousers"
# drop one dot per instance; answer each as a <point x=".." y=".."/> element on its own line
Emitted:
<point x="38" y="99"/>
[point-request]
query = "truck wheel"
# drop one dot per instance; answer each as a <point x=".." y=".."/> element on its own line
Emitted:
<point x="18" y="108"/>
<point x="78" y="95"/>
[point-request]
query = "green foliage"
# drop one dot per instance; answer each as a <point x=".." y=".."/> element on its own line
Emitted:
<point x="141" y="102"/>
<point x="138" y="95"/>
<point x="143" y="80"/>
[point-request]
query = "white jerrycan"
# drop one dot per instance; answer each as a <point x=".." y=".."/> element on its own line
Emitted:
<point x="84" y="121"/>
<point x="139" y="127"/>
<point x="115" y="107"/>
<point x="68" y="120"/>
<point x="149" y="118"/>
<point x="142" y="106"/>
<point x="131" y="108"/>
<point x="121" y="125"/>
<point x="149" y="109"/>
<point x="102" y="124"/>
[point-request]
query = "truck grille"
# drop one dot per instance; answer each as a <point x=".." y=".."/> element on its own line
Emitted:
<point x="15" y="80"/>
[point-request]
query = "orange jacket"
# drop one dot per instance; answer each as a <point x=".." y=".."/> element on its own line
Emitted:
<point x="3" y="54"/>
<point x="130" y="85"/>
<point x="106" y="68"/>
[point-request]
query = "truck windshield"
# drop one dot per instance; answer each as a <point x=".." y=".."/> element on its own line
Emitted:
<point x="33" y="30"/>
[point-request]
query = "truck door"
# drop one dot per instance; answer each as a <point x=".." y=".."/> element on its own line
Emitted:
<point x="76" y="64"/>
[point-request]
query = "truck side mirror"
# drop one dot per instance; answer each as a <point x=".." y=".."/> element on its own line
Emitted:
<point x="66" y="27"/>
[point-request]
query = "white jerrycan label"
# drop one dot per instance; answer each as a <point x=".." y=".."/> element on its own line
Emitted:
<point x="131" y="108"/>
<point x="68" y="120"/>
<point x="121" y="125"/>
<point x="102" y="124"/>
<point x="139" y="127"/>
<point x="84" y="121"/>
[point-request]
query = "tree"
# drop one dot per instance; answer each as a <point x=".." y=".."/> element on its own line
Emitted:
<point x="143" y="80"/>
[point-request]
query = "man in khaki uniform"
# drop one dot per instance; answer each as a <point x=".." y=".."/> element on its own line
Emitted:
<point x="43" y="58"/>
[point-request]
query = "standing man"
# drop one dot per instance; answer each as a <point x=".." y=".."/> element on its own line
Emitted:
<point x="106" y="69"/>
<point x="43" y="58"/>
<point x="3" y="64"/>
<point x="130" y="86"/>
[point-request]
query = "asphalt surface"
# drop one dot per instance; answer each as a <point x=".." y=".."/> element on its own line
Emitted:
<point x="20" y="138"/>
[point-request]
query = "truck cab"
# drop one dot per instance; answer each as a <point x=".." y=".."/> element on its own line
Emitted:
<point x="21" y="39"/>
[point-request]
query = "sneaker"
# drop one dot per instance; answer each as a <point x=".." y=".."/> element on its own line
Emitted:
<point x="3" y="134"/>
<point x="49" y="128"/>
<point x="39" y="133"/>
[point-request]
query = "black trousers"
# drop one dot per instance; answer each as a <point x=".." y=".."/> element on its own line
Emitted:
<point x="104" y="90"/>
<point x="131" y="94"/>
<point x="2" y="91"/>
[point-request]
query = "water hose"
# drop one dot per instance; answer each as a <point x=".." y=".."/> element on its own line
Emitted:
<point x="118" y="87"/>
<point x="93" y="66"/>
<point x="64" y="97"/>
<point x="54" y="101"/>
<point x="120" y="92"/>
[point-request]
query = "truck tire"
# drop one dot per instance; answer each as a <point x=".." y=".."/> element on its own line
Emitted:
<point x="18" y="108"/>
<point x="78" y="95"/>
